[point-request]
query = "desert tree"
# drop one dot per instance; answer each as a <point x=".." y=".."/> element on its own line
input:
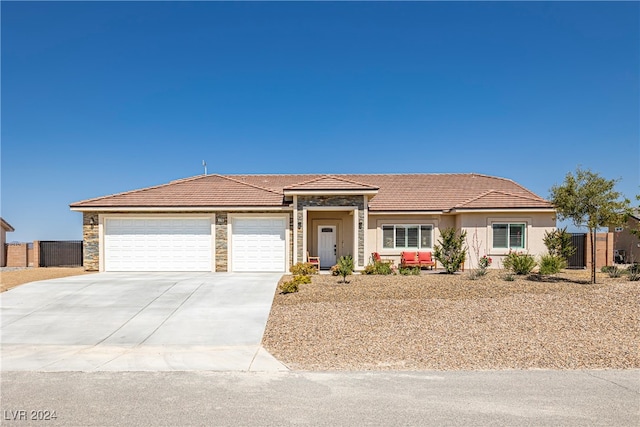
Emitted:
<point x="590" y="201"/>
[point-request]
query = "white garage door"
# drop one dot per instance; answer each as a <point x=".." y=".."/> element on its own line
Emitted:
<point x="258" y="244"/>
<point x="158" y="244"/>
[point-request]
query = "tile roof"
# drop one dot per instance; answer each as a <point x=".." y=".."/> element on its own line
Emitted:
<point x="200" y="191"/>
<point x="396" y="192"/>
<point x="330" y="182"/>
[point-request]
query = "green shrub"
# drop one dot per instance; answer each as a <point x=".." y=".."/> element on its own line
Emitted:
<point x="345" y="267"/>
<point x="552" y="264"/>
<point x="410" y="271"/>
<point x="633" y="268"/>
<point x="378" y="267"/>
<point x="634" y="276"/>
<point x="291" y="286"/>
<point x="614" y="271"/>
<point x="559" y="243"/>
<point x="519" y="263"/>
<point x="509" y="276"/>
<point x="450" y="250"/>
<point x="304" y="269"/>
<point x="477" y="273"/>
<point x="605" y="269"/>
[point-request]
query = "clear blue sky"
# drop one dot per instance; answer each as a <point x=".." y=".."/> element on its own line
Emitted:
<point x="99" y="98"/>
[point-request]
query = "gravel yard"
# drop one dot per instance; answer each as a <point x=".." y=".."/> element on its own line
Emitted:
<point x="449" y="322"/>
<point x="12" y="277"/>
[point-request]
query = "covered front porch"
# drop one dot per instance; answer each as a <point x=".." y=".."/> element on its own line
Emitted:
<point x="330" y="234"/>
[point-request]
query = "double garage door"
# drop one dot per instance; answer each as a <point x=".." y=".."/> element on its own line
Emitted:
<point x="186" y="244"/>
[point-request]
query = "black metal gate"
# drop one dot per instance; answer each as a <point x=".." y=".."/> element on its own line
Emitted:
<point x="60" y="253"/>
<point x="578" y="259"/>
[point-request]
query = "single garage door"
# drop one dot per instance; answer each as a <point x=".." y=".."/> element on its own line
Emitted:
<point x="258" y="244"/>
<point x="157" y="244"/>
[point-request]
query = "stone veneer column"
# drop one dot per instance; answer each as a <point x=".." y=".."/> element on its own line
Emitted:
<point x="361" y="231"/>
<point x="222" y="246"/>
<point x="91" y="241"/>
<point x="302" y="257"/>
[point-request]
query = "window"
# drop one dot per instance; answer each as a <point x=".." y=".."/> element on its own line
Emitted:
<point x="508" y="236"/>
<point x="407" y="236"/>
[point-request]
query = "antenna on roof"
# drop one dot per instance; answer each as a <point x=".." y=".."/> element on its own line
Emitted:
<point x="204" y="165"/>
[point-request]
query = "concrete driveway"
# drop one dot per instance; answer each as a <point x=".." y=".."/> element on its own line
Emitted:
<point x="139" y="322"/>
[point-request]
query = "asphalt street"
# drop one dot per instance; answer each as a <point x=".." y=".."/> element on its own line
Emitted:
<point x="496" y="398"/>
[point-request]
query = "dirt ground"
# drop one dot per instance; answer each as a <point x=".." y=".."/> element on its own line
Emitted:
<point x="11" y="279"/>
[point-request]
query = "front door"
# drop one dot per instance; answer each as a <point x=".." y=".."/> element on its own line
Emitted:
<point x="327" y="245"/>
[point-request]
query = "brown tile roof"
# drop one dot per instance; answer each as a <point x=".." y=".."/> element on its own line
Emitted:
<point x="200" y="191"/>
<point x="330" y="182"/>
<point x="396" y="192"/>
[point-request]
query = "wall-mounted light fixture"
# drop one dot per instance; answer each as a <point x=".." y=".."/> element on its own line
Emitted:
<point x="92" y="221"/>
<point x="220" y="220"/>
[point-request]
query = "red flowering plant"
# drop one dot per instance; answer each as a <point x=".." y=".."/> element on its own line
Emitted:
<point x="484" y="262"/>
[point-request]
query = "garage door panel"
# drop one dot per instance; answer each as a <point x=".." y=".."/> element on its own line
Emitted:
<point x="258" y="244"/>
<point x="164" y="244"/>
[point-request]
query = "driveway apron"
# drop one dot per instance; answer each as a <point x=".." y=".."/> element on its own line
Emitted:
<point x="139" y="322"/>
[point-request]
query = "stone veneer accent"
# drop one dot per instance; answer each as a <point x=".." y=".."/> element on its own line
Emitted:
<point x="222" y="250"/>
<point x="337" y="201"/>
<point x="91" y="238"/>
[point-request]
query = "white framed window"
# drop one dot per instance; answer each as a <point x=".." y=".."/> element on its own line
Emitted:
<point x="407" y="236"/>
<point x="509" y="235"/>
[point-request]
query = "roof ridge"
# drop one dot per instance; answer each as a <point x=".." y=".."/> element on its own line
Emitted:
<point x="139" y="190"/>
<point x="306" y="182"/>
<point x="488" y="192"/>
<point x="250" y="185"/>
<point x="330" y="176"/>
<point x="352" y="181"/>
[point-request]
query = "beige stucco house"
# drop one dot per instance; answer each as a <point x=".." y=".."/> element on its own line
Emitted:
<point x="5" y="227"/>
<point x="270" y="222"/>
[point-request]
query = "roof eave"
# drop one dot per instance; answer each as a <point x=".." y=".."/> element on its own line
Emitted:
<point x="512" y="209"/>
<point x="177" y="208"/>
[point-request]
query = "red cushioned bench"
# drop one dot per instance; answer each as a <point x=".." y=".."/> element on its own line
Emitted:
<point x="417" y="259"/>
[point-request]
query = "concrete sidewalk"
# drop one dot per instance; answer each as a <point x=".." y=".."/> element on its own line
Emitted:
<point x="139" y="322"/>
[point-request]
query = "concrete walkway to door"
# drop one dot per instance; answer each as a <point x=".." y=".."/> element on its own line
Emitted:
<point x="139" y="322"/>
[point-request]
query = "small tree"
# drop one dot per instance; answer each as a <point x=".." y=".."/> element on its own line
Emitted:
<point x="450" y="250"/>
<point x="589" y="201"/>
<point x="345" y="267"/>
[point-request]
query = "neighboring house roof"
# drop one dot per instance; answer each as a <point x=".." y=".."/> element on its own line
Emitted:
<point x="393" y="192"/>
<point x="635" y="214"/>
<point x="6" y="226"/>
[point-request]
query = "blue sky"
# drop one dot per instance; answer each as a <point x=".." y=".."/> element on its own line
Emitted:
<point x="99" y="98"/>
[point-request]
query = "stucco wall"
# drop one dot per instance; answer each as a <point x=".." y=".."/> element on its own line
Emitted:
<point x="479" y="234"/>
<point x="374" y="231"/>
<point x="627" y="242"/>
